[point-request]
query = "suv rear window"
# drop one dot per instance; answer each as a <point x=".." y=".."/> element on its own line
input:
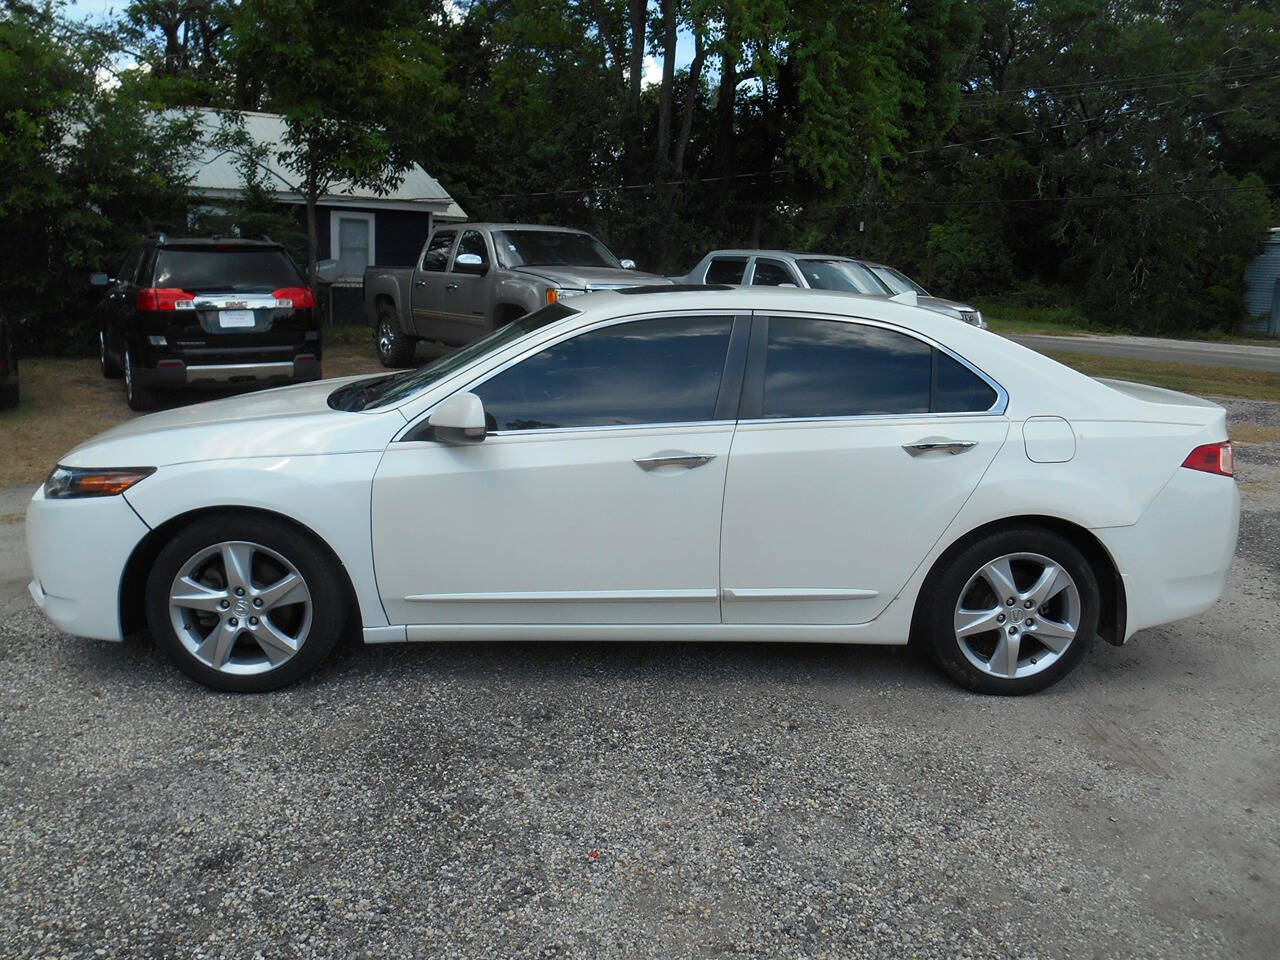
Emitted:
<point x="228" y="268"/>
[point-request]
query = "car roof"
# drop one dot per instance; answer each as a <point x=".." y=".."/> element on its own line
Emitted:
<point x="164" y="241"/>
<point x="793" y="254"/>
<point x="541" y="227"/>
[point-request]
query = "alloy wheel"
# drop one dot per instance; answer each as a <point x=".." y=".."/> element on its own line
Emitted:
<point x="240" y="608"/>
<point x="386" y="337"/>
<point x="1017" y="615"/>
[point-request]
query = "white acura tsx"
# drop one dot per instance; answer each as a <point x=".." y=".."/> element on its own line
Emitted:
<point x="656" y="464"/>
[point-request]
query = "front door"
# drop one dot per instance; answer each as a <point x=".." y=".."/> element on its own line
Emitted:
<point x="595" y="498"/>
<point x="858" y="446"/>
<point x="429" y="281"/>
<point x="467" y="291"/>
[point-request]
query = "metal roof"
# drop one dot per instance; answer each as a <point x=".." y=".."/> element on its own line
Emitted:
<point x="216" y="173"/>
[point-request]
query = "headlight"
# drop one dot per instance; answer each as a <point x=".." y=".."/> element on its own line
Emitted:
<point x="67" y="482"/>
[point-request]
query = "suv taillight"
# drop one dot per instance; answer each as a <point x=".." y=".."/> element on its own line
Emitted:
<point x="1216" y="458"/>
<point x="165" y="298"/>
<point x="299" y="298"/>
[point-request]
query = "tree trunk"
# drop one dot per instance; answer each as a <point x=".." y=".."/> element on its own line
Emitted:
<point x="692" y="90"/>
<point x="639" y="10"/>
<point x="725" y="105"/>
<point x="667" y="93"/>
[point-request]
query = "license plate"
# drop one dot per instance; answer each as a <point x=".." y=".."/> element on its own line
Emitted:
<point x="235" y="319"/>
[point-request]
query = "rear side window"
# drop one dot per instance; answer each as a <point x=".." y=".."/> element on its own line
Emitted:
<point x="230" y="268"/>
<point x="436" y="256"/>
<point x="958" y="389"/>
<point x="771" y="273"/>
<point x="648" y="371"/>
<point x="726" y="270"/>
<point x="829" y="368"/>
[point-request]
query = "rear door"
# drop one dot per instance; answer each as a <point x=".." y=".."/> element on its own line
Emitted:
<point x="428" y="317"/>
<point x="858" y="444"/>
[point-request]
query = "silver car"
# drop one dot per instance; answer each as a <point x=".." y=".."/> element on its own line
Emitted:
<point x="818" y="271"/>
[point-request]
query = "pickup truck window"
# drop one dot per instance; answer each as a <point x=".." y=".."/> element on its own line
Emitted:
<point x="841" y="275"/>
<point x="230" y="268"/>
<point x="386" y="391"/>
<point x="648" y="371"/>
<point x="519" y="248"/>
<point x="473" y="242"/>
<point x="436" y="256"/>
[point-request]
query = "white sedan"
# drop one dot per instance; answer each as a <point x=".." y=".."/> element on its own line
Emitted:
<point x="656" y="464"/>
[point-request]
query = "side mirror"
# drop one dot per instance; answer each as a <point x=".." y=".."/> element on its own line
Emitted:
<point x="327" y="271"/>
<point x="100" y="280"/>
<point x="460" y="419"/>
<point x="469" y="263"/>
<point x="628" y="264"/>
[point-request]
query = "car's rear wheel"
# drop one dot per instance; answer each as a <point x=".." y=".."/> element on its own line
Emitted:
<point x="110" y="369"/>
<point x="138" y="397"/>
<point x="1013" y="613"/>
<point x="245" y="603"/>
<point x="395" y="347"/>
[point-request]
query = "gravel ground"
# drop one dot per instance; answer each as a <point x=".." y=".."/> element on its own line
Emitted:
<point x="647" y="800"/>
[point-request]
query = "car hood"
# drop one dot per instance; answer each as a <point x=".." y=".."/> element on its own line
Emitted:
<point x="591" y="278"/>
<point x="286" y="421"/>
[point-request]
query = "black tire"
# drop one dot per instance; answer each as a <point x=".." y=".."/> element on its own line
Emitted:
<point x="395" y="347"/>
<point x="110" y="369"/>
<point x="940" y="602"/>
<point x="138" y="397"/>
<point x="324" y="583"/>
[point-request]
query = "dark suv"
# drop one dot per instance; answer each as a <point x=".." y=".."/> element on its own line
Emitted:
<point x="206" y="313"/>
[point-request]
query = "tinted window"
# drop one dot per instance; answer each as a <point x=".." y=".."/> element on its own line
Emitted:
<point x="225" y="269"/>
<point x="647" y="371"/>
<point x="129" y="272"/>
<point x="726" y="270"/>
<point x="771" y="273"/>
<point x="826" y="368"/>
<point x="472" y="242"/>
<point x="959" y="389"/>
<point x="437" y="253"/>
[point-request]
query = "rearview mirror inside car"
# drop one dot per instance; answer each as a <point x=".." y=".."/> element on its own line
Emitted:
<point x="327" y="271"/>
<point x="100" y="280"/>
<point x="459" y="419"/>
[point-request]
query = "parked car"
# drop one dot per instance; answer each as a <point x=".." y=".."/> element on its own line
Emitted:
<point x="202" y="312"/>
<point x="712" y="463"/>
<point x="472" y="278"/>
<point x="817" y="271"/>
<point x="8" y="365"/>
<point x="898" y="282"/>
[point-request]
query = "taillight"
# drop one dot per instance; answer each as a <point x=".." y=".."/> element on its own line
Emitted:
<point x="1216" y="458"/>
<point x="165" y="298"/>
<point x="299" y="298"/>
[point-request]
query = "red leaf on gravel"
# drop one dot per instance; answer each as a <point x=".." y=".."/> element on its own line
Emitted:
<point x="593" y="854"/>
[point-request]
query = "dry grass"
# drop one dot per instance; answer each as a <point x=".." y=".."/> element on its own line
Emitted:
<point x="1202" y="381"/>
<point x="66" y="401"/>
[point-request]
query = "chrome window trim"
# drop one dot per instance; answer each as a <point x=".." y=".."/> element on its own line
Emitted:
<point x="997" y="409"/>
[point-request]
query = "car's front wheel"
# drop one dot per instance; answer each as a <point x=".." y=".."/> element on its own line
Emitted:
<point x="395" y="347"/>
<point x="244" y="602"/>
<point x="1013" y="613"/>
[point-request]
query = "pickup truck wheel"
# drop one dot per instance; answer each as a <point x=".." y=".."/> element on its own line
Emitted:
<point x="395" y="347"/>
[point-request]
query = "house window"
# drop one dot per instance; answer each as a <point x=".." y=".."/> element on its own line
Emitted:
<point x="351" y="239"/>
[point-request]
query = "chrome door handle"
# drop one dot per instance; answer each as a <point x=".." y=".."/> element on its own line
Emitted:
<point x="932" y="445"/>
<point x="687" y="460"/>
<point x="451" y="286"/>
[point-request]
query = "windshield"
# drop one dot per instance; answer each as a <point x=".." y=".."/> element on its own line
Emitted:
<point x="232" y="268"/>
<point x="520" y="248"/>
<point x="387" y="390"/>
<point x="898" y="282"/>
<point x="842" y="275"/>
